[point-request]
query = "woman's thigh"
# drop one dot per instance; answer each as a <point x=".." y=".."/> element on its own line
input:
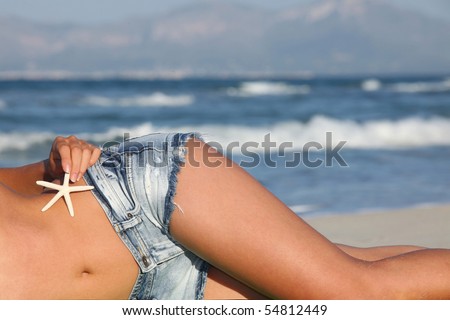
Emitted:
<point x="221" y="286"/>
<point x="233" y="222"/>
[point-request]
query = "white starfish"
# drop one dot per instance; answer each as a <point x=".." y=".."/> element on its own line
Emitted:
<point x="63" y="190"/>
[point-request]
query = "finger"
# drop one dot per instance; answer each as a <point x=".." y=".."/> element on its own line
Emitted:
<point x="94" y="155"/>
<point x="76" y="155"/>
<point x="56" y="153"/>
<point x="85" y="158"/>
<point x="64" y="154"/>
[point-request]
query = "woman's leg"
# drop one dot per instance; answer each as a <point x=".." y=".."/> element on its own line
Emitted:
<point x="377" y="253"/>
<point x="219" y="285"/>
<point x="233" y="222"/>
<point x="222" y="286"/>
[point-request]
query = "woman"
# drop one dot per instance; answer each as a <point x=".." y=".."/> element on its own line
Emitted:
<point x="182" y="222"/>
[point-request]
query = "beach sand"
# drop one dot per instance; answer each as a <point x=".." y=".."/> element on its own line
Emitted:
<point x="427" y="226"/>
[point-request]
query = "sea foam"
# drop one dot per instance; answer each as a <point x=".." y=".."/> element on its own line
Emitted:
<point x="261" y="88"/>
<point x="376" y="134"/>
<point x="22" y="141"/>
<point x="371" y="85"/>
<point x="157" y="99"/>
<point x="422" y="86"/>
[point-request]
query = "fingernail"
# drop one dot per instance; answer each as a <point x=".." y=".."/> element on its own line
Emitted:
<point x="79" y="176"/>
<point x="67" y="169"/>
<point x="73" y="177"/>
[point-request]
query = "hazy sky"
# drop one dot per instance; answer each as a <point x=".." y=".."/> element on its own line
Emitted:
<point x="100" y="11"/>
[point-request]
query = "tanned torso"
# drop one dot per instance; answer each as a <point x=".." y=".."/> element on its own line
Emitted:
<point x="52" y="255"/>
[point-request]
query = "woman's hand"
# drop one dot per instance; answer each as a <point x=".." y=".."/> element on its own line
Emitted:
<point x="71" y="155"/>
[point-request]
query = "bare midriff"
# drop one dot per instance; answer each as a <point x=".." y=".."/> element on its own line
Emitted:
<point x="52" y="255"/>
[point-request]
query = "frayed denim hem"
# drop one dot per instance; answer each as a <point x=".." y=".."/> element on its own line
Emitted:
<point x="178" y="146"/>
<point x="201" y="284"/>
<point x="179" y="150"/>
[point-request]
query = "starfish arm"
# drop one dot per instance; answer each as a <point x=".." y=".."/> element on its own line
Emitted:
<point x="69" y="204"/>
<point x="66" y="179"/>
<point x="53" y="201"/>
<point x="49" y="185"/>
<point x="80" y="188"/>
<point x="63" y="190"/>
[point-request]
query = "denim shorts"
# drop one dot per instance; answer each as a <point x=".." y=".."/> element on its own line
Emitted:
<point x="135" y="183"/>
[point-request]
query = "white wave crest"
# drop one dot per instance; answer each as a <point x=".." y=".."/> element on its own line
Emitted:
<point x="421" y="87"/>
<point x="22" y="141"/>
<point x="383" y="134"/>
<point x="157" y="99"/>
<point x="377" y="134"/>
<point x="260" y="88"/>
<point x="371" y="85"/>
<point x="301" y="209"/>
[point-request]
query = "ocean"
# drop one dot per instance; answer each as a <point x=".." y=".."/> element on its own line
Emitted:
<point x="323" y="145"/>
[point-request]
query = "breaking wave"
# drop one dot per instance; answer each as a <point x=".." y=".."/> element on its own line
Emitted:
<point x="261" y="88"/>
<point x="157" y="99"/>
<point x="373" y="84"/>
<point x="421" y="87"/>
<point x="377" y="134"/>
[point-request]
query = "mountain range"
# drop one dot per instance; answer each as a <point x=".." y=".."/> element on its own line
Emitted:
<point x="220" y="37"/>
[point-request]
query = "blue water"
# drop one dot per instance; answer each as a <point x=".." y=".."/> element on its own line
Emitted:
<point x="396" y="130"/>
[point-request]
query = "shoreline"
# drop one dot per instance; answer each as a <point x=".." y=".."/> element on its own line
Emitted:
<point x="425" y="225"/>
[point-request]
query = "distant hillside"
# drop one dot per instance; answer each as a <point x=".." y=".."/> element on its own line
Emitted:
<point x="328" y="36"/>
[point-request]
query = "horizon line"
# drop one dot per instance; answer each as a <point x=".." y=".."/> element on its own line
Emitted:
<point x="56" y="75"/>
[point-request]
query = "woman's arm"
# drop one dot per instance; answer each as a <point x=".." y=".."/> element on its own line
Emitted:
<point x="23" y="179"/>
<point x="67" y="155"/>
